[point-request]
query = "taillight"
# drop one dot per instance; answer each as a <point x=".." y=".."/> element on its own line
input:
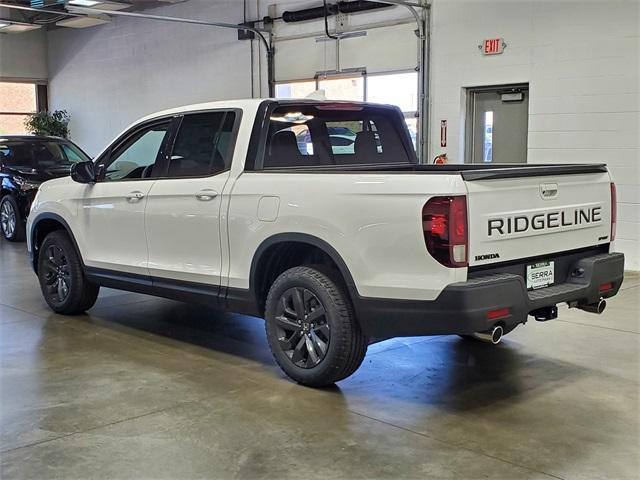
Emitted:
<point x="444" y="221"/>
<point x="614" y="211"/>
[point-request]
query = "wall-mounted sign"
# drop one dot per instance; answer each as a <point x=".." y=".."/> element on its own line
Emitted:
<point x="492" y="46"/>
<point x="443" y="133"/>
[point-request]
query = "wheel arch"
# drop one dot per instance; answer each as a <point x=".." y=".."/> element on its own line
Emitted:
<point x="41" y="226"/>
<point x="260" y="262"/>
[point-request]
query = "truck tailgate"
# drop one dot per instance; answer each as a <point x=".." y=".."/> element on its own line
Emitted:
<point x="532" y="216"/>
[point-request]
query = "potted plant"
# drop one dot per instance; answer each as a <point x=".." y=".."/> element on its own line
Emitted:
<point x="48" y="123"/>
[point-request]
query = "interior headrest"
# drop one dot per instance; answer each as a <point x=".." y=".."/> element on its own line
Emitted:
<point x="365" y="145"/>
<point x="284" y="139"/>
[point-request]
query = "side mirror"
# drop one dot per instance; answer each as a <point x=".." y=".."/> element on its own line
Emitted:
<point x="83" y="172"/>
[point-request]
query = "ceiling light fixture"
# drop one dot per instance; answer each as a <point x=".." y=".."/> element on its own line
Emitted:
<point x="84" y="3"/>
<point x="84" y="22"/>
<point x="102" y="4"/>
<point x="10" y="26"/>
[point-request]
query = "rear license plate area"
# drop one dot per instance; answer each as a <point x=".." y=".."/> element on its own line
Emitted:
<point x="540" y="275"/>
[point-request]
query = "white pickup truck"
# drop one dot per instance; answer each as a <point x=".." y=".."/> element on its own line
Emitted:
<point x="316" y="216"/>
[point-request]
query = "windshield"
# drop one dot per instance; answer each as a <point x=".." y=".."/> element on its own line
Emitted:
<point x="40" y="154"/>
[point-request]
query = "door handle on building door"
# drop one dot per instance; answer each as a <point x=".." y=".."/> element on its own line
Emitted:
<point x="206" y="194"/>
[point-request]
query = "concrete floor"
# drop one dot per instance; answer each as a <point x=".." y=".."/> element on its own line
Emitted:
<point x="149" y="388"/>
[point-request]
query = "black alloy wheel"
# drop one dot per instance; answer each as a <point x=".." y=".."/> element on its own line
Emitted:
<point x="311" y="326"/>
<point x="57" y="274"/>
<point x="302" y="328"/>
<point x="61" y="275"/>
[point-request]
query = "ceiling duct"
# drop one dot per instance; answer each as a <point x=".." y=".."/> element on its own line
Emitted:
<point x="332" y="9"/>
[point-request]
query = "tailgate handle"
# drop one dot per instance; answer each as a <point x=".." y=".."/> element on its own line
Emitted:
<point x="548" y="190"/>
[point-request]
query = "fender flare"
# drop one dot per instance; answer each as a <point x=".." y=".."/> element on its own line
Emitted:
<point x="311" y="240"/>
<point x="32" y="236"/>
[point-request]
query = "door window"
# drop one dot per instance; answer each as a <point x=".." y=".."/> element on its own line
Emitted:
<point x="203" y="145"/>
<point x="137" y="156"/>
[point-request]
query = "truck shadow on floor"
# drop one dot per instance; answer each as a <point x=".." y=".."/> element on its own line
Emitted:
<point x="453" y="374"/>
<point x="446" y="371"/>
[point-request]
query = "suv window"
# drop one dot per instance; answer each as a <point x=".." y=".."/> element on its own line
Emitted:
<point x="16" y="155"/>
<point x="202" y="146"/>
<point x="40" y="154"/>
<point x="341" y="134"/>
<point x="136" y="157"/>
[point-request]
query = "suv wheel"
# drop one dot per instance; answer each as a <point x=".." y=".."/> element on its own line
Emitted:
<point x="311" y="328"/>
<point x="62" y="280"/>
<point x="10" y="220"/>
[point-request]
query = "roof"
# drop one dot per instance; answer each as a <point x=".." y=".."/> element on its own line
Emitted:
<point x="32" y="137"/>
<point x="248" y="103"/>
<point x="242" y="104"/>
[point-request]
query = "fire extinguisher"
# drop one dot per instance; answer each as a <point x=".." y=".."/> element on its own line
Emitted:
<point x="441" y="159"/>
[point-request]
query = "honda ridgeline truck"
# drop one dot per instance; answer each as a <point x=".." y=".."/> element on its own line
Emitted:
<point x="316" y="216"/>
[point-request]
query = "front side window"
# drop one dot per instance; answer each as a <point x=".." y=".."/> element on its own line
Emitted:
<point x="341" y="134"/>
<point x="136" y="157"/>
<point x="203" y="145"/>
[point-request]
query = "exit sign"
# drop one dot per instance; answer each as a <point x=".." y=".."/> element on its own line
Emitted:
<point x="492" y="46"/>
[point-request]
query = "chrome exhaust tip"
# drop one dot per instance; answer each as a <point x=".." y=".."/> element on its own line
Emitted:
<point x="597" y="307"/>
<point x="492" y="336"/>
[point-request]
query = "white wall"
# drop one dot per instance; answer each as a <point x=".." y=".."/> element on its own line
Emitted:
<point x="23" y="56"/>
<point x="111" y="75"/>
<point x="581" y="60"/>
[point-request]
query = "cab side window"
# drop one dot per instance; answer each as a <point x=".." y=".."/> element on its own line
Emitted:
<point x="137" y="156"/>
<point x="203" y="145"/>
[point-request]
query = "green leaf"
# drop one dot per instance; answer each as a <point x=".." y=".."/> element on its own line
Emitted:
<point x="48" y="123"/>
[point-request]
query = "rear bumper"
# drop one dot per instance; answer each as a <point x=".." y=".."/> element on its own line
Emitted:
<point x="462" y="307"/>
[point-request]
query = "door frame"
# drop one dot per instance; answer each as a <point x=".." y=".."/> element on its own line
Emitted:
<point x="470" y="111"/>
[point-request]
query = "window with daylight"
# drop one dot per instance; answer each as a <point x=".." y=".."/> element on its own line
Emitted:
<point x="394" y="88"/>
<point x="487" y="148"/>
<point x="16" y="101"/>
<point x="295" y="89"/>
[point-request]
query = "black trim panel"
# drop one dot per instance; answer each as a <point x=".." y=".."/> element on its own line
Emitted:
<point x="461" y="308"/>
<point x="532" y="171"/>
<point x="160" y="287"/>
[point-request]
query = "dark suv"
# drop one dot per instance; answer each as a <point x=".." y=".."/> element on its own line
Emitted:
<point x="25" y="162"/>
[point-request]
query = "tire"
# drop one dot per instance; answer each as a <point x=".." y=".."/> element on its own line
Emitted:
<point x="11" y="222"/>
<point x="61" y="276"/>
<point x="304" y="293"/>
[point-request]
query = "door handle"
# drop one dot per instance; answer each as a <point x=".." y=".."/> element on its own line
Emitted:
<point x="134" y="196"/>
<point x="206" y="195"/>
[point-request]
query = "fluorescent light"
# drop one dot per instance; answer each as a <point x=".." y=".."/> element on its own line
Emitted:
<point x="8" y="26"/>
<point x="100" y="4"/>
<point x="84" y="22"/>
<point x="84" y="3"/>
<point x="113" y="6"/>
<point x="19" y="28"/>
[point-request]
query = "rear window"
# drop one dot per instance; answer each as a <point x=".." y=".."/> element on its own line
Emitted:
<point x="336" y="135"/>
